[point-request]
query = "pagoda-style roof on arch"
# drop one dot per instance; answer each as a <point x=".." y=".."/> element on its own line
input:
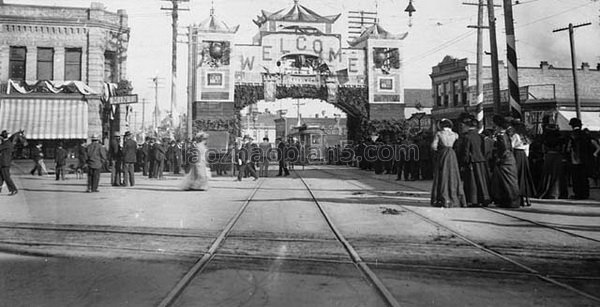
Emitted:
<point x="212" y="24"/>
<point x="297" y="12"/>
<point x="376" y="32"/>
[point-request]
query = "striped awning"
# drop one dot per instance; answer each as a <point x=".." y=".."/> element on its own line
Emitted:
<point x="43" y="118"/>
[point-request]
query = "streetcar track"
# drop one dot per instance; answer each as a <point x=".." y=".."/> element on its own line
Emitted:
<point x="100" y="229"/>
<point x="180" y="287"/>
<point x="172" y="296"/>
<point x="380" y="287"/>
<point x="525" y="267"/>
<point x="487" y="209"/>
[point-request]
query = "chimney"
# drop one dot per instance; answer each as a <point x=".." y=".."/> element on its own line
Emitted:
<point x="544" y="65"/>
<point x="585" y="66"/>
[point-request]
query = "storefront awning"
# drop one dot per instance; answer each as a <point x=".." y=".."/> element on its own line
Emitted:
<point x="45" y="118"/>
<point x="589" y="119"/>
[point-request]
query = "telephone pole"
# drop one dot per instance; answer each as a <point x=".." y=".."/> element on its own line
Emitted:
<point x="571" y="27"/>
<point x="156" y="109"/>
<point x="174" y="16"/>
<point x="143" y="118"/>
<point x="479" y="81"/>
<point x="494" y="53"/>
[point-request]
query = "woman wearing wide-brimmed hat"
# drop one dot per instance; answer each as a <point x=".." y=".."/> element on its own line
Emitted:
<point x="520" y="144"/>
<point x="447" y="190"/>
<point x="505" y="182"/>
<point x="197" y="178"/>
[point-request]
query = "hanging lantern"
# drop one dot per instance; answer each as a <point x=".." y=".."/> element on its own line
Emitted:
<point x="410" y="8"/>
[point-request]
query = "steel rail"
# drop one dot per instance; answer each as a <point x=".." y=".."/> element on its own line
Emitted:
<point x="99" y="229"/>
<point x="381" y="288"/>
<point x="172" y="296"/>
<point x="488" y="209"/>
<point x="499" y="255"/>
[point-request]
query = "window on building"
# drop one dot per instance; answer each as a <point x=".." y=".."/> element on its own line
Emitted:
<point x="456" y="93"/>
<point x="45" y="63"/>
<point x="73" y="64"/>
<point x="464" y="92"/>
<point x="110" y="67"/>
<point x="17" y="60"/>
<point x="446" y="94"/>
<point x="439" y="94"/>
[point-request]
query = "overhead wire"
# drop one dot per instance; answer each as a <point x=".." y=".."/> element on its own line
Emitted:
<point x="554" y="15"/>
<point x="440" y="47"/>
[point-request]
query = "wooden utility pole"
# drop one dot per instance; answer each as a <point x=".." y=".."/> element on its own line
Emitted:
<point x="571" y="27"/>
<point x="156" y="109"/>
<point x="479" y="81"/>
<point x="514" y="98"/>
<point x="494" y="53"/>
<point x="174" y="16"/>
<point x="143" y="118"/>
<point x="192" y="45"/>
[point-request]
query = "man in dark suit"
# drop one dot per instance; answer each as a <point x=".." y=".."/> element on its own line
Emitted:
<point x="96" y="156"/>
<point x="116" y="159"/>
<point x="129" y="159"/>
<point x="580" y="151"/>
<point x="244" y="158"/>
<point x="60" y="159"/>
<point x="6" y="153"/>
<point x="37" y="155"/>
<point x="281" y="154"/>
<point x="145" y="156"/>
<point x="151" y="158"/>
<point x="159" y="159"/>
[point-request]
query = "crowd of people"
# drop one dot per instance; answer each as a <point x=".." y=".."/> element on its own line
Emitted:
<point x="507" y="166"/>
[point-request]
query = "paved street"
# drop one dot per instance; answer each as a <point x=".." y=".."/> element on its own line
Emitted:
<point x="325" y="236"/>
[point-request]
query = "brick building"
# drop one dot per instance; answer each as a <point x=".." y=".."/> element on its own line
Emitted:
<point x="547" y="92"/>
<point x="54" y="65"/>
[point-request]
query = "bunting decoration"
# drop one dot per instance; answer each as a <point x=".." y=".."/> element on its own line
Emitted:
<point x="47" y="86"/>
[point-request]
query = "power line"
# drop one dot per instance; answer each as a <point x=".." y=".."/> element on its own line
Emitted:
<point x="554" y="15"/>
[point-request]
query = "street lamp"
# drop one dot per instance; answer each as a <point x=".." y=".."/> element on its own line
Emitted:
<point x="410" y="9"/>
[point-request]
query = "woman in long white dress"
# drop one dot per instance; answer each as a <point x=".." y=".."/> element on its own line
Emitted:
<point x="197" y="178"/>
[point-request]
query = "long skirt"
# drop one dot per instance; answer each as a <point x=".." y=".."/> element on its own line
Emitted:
<point x="476" y="182"/>
<point x="197" y="178"/>
<point x="553" y="184"/>
<point x="526" y="186"/>
<point x="505" y="184"/>
<point x="447" y="190"/>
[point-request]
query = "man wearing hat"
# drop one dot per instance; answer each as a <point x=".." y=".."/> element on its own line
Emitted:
<point x="244" y="158"/>
<point x="281" y="155"/>
<point x="115" y="154"/>
<point x="37" y="155"/>
<point x="6" y="152"/>
<point x="96" y="156"/>
<point x="265" y="150"/>
<point x="129" y="159"/>
<point x="580" y="151"/>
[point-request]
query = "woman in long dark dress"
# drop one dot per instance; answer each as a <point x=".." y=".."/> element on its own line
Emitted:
<point x="505" y="184"/>
<point x="447" y="190"/>
<point x="520" y="145"/>
<point x="553" y="183"/>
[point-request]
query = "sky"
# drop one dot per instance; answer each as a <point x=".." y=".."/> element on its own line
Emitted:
<point x="439" y="28"/>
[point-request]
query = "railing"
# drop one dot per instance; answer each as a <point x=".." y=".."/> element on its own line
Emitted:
<point x="540" y="92"/>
